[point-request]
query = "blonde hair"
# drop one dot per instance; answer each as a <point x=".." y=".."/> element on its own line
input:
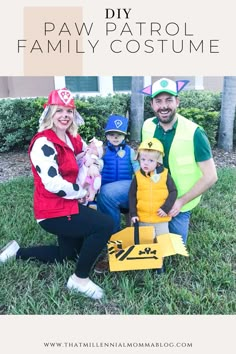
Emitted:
<point x="47" y="122"/>
<point x="156" y="154"/>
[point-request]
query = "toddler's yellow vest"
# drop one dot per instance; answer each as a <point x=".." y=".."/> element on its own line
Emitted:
<point x="151" y="196"/>
<point x="183" y="167"/>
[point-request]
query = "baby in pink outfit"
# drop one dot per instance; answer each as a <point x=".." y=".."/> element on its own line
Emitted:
<point x="90" y="165"/>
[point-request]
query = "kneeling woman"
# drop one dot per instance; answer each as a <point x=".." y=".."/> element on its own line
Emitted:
<point x="80" y="230"/>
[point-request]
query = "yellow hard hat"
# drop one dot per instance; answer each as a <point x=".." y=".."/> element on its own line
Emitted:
<point x="152" y="144"/>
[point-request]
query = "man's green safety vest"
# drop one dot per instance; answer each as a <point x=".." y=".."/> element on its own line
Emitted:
<point x="183" y="167"/>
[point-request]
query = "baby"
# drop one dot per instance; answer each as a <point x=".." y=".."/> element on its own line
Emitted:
<point x="90" y="165"/>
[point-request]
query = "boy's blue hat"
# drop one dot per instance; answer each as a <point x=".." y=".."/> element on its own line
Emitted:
<point x="117" y="124"/>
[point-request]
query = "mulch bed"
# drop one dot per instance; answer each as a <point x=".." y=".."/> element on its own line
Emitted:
<point x="16" y="164"/>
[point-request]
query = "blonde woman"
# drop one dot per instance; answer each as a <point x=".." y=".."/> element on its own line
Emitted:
<point x="79" y="230"/>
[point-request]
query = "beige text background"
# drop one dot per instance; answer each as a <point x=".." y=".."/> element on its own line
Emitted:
<point x="206" y="20"/>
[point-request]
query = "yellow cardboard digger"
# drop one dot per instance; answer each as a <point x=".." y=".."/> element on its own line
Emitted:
<point x="136" y="248"/>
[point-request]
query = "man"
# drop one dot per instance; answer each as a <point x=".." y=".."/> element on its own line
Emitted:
<point x="188" y="154"/>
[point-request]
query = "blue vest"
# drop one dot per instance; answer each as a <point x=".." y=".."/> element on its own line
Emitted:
<point x="116" y="168"/>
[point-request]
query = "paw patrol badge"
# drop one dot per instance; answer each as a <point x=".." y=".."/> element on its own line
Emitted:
<point x="155" y="178"/>
<point x="121" y="153"/>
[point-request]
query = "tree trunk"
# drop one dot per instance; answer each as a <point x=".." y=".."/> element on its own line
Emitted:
<point x="136" y="108"/>
<point x="228" y="106"/>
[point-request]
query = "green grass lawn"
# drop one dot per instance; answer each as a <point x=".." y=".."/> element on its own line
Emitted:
<point x="203" y="283"/>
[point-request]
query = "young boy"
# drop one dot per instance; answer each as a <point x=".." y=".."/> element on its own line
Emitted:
<point x="119" y="167"/>
<point x="152" y="192"/>
<point x="118" y="170"/>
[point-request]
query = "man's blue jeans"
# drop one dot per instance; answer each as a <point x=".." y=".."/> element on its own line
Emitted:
<point x="180" y="225"/>
<point x="113" y="197"/>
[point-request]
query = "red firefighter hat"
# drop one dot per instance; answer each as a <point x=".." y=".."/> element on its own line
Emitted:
<point x="61" y="97"/>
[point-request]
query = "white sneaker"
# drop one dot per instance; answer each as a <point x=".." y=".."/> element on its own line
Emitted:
<point x="9" y="251"/>
<point x="90" y="289"/>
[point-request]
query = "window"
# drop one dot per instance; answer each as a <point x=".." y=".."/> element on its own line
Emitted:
<point x="122" y="83"/>
<point x="82" y="83"/>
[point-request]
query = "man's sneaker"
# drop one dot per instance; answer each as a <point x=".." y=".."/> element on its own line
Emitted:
<point x="102" y="265"/>
<point x="90" y="289"/>
<point x="9" y="251"/>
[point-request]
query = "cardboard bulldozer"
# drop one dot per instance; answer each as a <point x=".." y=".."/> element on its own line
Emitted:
<point x="137" y="248"/>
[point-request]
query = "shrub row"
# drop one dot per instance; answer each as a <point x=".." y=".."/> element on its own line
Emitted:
<point x="19" y="117"/>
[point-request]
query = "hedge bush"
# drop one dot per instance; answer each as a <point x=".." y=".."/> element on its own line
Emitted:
<point x="19" y="117"/>
<point x="205" y="100"/>
<point x="209" y="121"/>
<point x="18" y="122"/>
<point x="96" y="110"/>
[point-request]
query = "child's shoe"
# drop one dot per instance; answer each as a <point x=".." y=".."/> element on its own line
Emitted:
<point x="9" y="251"/>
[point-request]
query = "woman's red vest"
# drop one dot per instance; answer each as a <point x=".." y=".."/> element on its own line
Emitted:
<point x="47" y="204"/>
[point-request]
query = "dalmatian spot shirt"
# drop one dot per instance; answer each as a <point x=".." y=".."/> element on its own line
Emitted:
<point x="44" y="158"/>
